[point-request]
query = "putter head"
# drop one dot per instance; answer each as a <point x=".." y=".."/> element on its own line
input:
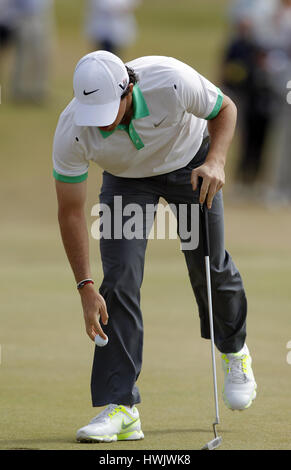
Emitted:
<point x="211" y="445"/>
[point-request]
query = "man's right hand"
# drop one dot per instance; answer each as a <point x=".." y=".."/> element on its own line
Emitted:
<point x="73" y="225"/>
<point x="94" y="308"/>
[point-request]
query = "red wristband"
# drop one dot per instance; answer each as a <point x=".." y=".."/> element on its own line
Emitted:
<point x="84" y="282"/>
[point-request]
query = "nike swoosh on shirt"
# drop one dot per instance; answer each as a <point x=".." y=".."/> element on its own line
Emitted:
<point x="125" y="426"/>
<point x="90" y="92"/>
<point x="159" y="123"/>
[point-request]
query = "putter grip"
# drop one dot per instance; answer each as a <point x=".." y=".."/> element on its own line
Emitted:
<point x="204" y="222"/>
<point x="205" y="229"/>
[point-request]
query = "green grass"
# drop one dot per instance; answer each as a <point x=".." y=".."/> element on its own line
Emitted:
<point x="46" y="356"/>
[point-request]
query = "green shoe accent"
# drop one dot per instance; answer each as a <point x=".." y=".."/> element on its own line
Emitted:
<point x="133" y="435"/>
<point x="105" y="438"/>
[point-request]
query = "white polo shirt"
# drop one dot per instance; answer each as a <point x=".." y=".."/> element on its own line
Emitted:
<point x="171" y="103"/>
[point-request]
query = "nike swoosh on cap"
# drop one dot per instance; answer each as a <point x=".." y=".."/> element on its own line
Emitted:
<point x="90" y="92"/>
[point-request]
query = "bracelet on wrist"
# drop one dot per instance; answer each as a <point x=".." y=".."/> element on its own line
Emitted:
<point x="84" y="282"/>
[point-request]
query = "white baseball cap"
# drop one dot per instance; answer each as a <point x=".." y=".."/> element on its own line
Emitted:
<point x="100" y="79"/>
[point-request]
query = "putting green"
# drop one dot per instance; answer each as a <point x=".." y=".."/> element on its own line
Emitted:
<point x="45" y="354"/>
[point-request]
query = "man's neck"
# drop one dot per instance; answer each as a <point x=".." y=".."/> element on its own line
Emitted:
<point x="129" y="112"/>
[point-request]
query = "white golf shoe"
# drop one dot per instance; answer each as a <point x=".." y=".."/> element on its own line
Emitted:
<point x="239" y="383"/>
<point x="114" y="423"/>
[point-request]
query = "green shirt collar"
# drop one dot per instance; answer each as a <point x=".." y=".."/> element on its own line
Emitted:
<point x="140" y="110"/>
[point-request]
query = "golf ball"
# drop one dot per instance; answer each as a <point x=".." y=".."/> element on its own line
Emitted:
<point x="100" y="341"/>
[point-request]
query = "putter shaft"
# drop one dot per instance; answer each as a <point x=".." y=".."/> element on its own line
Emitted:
<point x="207" y="268"/>
<point x="205" y="231"/>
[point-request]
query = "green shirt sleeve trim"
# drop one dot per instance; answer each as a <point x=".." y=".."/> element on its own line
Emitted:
<point x="69" y="179"/>
<point x="217" y="106"/>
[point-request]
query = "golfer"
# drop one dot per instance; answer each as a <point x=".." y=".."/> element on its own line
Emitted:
<point x="157" y="128"/>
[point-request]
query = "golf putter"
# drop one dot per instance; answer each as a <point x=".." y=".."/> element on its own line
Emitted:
<point x="211" y="445"/>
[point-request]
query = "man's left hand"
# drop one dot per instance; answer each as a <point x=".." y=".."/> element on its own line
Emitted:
<point x="213" y="178"/>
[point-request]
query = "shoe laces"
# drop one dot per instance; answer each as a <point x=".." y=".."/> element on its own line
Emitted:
<point x="237" y="369"/>
<point x="108" y="412"/>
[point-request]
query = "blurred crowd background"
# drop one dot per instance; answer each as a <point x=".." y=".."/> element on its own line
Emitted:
<point x="28" y="26"/>
<point x="253" y="67"/>
<point x="256" y="69"/>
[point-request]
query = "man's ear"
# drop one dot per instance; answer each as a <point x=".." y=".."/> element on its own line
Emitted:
<point x="130" y="87"/>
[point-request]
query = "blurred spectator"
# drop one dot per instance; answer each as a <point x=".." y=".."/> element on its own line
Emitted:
<point x="253" y="10"/>
<point x="279" y="61"/>
<point x="8" y="22"/>
<point x="110" y="24"/>
<point x="246" y="79"/>
<point x="33" y="47"/>
<point x="256" y="69"/>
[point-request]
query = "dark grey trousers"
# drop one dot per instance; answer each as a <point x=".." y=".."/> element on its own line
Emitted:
<point x="116" y="367"/>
